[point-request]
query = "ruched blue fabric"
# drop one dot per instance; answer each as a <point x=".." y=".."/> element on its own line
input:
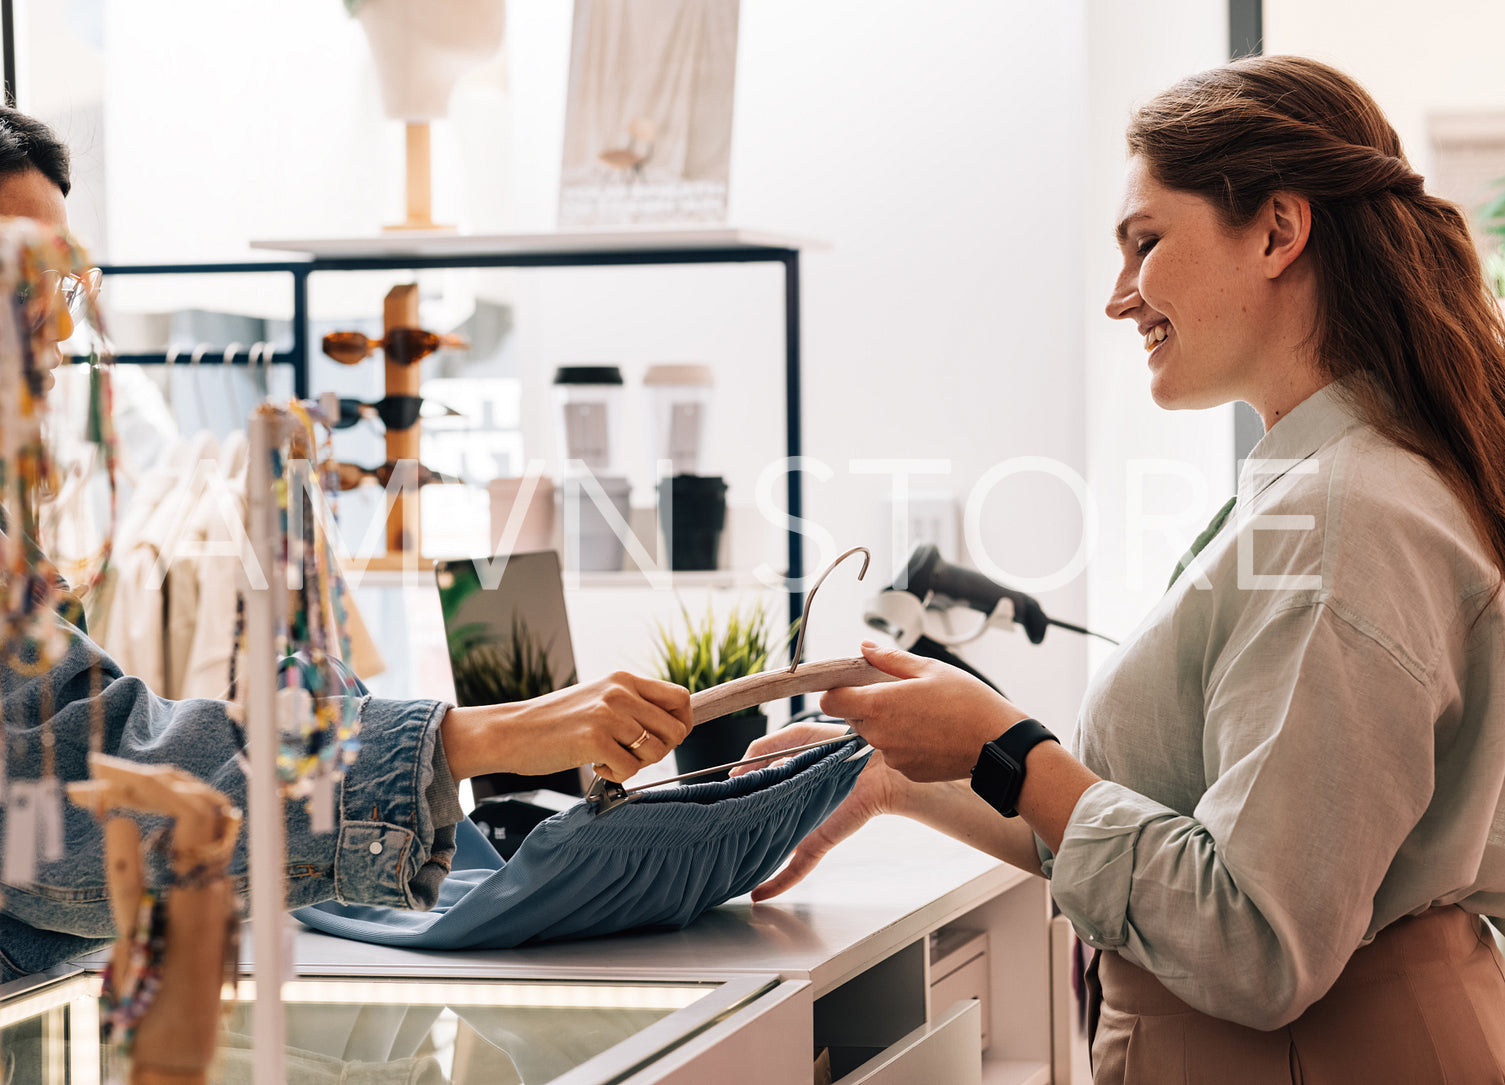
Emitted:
<point x="661" y="860"/>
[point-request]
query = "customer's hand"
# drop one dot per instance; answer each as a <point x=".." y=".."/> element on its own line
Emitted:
<point x="879" y="790"/>
<point x="930" y="726"/>
<point x="617" y="724"/>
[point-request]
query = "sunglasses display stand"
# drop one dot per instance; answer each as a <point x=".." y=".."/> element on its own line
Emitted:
<point x="404" y="516"/>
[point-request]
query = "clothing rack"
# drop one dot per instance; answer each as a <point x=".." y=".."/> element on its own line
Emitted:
<point x="297" y="356"/>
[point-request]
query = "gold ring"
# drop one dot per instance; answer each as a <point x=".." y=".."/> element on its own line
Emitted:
<point x="642" y="738"/>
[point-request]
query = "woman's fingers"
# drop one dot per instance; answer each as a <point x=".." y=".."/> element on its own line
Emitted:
<point x="673" y="700"/>
<point x="802" y="862"/>
<point x="773" y="745"/>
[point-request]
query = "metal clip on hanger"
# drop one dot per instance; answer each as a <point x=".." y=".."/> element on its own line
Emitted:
<point x="755" y="689"/>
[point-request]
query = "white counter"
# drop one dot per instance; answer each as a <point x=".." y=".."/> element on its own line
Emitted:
<point x="861" y="919"/>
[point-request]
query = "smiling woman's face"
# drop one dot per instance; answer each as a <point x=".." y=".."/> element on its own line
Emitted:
<point x="29" y="194"/>
<point x="1194" y="290"/>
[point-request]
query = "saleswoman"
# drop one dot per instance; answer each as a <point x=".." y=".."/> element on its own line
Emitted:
<point x="1284" y="819"/>
<point x="394" y="834"/>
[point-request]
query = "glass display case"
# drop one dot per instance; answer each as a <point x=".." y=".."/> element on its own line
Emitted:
<point x="417" y="1031"/>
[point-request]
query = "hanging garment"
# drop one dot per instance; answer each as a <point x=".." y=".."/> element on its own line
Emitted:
<point x="660" y="860"/>
<point x="134" y="631"/>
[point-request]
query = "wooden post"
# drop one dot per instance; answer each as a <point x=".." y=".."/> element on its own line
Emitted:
<point x="265" y="614"/>
<point x="420" y="192"/>
<point x="420" y="174"/>
<point x="404" y="528"/>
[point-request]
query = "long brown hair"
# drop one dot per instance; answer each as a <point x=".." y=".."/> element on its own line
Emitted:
<point x="1405" y="319"/>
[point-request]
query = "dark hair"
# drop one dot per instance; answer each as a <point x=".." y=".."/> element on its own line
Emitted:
<point x="26" y="143"/>
<point x="1405" y="319"/>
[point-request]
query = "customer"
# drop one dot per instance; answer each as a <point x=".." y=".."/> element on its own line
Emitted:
<point x="398" y="804"/>
<point x="1284" y="818"/>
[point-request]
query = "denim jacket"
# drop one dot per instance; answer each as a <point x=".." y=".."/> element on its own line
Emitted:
<point x="394" y="830"/>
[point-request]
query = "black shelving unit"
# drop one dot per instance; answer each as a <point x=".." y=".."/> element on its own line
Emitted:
<point x="711" y="246"/>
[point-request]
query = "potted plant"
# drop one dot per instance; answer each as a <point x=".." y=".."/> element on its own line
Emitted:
<point x="707" y="656"/>
<point x="1492" y="223"/>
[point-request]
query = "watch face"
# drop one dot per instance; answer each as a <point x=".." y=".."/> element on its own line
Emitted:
<point x="997" y="777"/>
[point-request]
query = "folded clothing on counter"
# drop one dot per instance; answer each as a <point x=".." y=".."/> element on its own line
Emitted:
<point x="660" y="860"/>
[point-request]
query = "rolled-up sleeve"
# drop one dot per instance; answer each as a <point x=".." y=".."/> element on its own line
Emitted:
<point x="1319" y="750"/>
<point x="394" y="826"/>
<point x="390" y="848"/>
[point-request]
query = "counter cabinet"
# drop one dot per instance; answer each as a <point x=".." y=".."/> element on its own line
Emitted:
<point x="900" y="957"/>
<point x="877" y="959"/>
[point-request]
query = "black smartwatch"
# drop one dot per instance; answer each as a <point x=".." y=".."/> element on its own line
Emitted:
<point x="998" y="775"/>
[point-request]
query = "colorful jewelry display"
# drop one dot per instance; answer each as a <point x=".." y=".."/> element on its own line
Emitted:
<point x="318" y="701"/>
<point x="38" y="266"/>
<point x="125" y="999"/>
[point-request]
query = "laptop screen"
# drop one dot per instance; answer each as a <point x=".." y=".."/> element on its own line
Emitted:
<point x="508" y="642"/>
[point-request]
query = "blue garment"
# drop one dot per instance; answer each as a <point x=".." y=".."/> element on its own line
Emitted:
<point x="386" y="849"/>
<point x="659" y="861"/>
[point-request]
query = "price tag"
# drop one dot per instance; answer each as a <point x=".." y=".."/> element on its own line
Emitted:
<point x="49" y="811"/>
<point x="20" y="863"/>
<point x="295" y="710"/>
<point x="321" y="802"/>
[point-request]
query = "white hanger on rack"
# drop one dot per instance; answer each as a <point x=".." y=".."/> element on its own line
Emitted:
<point x="198" y="386"/>
<point x="168" y="360"/>
<point x="228" y="361"/>
<point x="259" y="359"/>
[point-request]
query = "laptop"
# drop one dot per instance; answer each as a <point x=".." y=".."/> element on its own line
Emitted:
<point x="508" y="643"/>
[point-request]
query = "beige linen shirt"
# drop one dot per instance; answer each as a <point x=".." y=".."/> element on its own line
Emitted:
<point x="1305" y="740"/>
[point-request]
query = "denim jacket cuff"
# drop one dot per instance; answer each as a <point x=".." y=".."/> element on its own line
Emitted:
<point x="390" y="850"/>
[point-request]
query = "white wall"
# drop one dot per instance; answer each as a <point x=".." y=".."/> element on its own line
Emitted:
<point x="1445" y="57"/>
<point x="1184" y="458"/>
<point x="941" y="322"/>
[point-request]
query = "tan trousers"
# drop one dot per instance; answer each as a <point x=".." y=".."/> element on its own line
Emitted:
<point x="1424" y="1002"/>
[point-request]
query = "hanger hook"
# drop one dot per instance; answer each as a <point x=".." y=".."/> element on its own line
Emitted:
<point x="198" y="386"/>
<point x="169" y="359"/>
<point x="799" y="645"/>
<point x="260" y="363"/>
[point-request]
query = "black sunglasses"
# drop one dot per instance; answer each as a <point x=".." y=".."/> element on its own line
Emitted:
<point x="395" y="412"/>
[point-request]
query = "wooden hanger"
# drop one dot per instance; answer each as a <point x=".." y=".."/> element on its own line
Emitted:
<point x="756" y="689"/>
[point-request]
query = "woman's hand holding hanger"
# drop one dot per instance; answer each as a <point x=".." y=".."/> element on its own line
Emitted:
<point x="618" y="724"/>
<point x="928" y="729"/>
<point x="932" y="724"/>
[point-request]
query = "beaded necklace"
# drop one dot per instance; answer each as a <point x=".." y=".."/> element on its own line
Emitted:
<point x="33" y="596"/>
<point x="318" y="706"/>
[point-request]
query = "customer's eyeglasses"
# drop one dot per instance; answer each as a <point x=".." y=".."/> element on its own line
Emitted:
<point x="72" y="291"/>
<point x="401" y="345"/>
<point x="395" y="412"/>
<point x="407" y="473"/>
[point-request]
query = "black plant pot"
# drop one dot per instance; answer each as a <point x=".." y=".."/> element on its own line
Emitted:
<point x="719" y="742"/>
<point x="692" y="513"/>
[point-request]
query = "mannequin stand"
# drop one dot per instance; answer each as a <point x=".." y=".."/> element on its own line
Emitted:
<point x="419" y="181"/>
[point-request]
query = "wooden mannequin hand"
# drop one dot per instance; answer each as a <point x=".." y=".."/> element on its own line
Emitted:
<point x="596" y="723"/>
<point x="931" y="725"/>
<point x="879" y="790"/>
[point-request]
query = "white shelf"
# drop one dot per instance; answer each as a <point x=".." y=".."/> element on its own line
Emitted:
<point x="1014" y="1072"/>
<point x="614" y="239"/>
<point x="715" y="579"/>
